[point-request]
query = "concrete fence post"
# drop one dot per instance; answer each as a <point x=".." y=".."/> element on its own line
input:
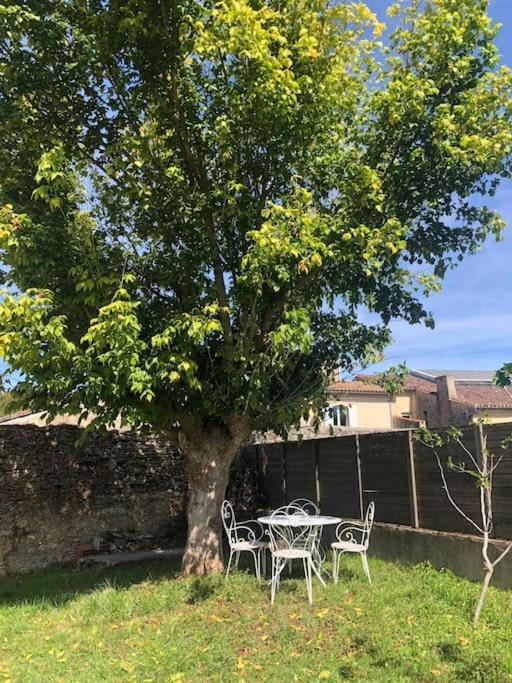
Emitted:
<point x="413" y="492"/>
<point x="317" y="472"/>
<point x="283" y="460"/>
<point x="478" y="434"/>
<point x="359" y="478"/>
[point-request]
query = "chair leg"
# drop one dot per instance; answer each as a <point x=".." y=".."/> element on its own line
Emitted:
<point x="335" y="565"/>
<point x="229" y="563"/>
<point x="276" y="572"/>
<point x="283" y="562"/>
<point x="256" y="555"/>
<point x="237" y="558"/>
<point x="318" y="571"/>
<point x="272" y="582"/>
<point x="366" y="568"/>
<point x="309" y="580"/>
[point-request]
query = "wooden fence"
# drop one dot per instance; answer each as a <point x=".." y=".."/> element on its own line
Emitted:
<point x="343" y="474"/>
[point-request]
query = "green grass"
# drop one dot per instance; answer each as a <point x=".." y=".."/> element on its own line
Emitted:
<point x="143" y="624"/>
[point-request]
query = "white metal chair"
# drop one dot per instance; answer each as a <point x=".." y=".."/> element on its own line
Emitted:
<point x="353" y="537"/>
<point x="306" y="505"/>
<point x="244" y="537"/>
<point x="288" y="543"/>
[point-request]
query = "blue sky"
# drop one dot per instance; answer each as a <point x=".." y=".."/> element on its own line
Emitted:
<point x="473" y="312"/>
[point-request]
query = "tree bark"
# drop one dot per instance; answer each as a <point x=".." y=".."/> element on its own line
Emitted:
<point x="209" y="453"/>
<point x="481" y="599"/>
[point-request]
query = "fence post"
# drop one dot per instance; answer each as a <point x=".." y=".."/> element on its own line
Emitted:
<point x="413" y="493"/>
<point x="317" y="472"/>
<point x="283" y="459"/>
<point x="478" y="433"/>
<point x="258" y="473"/>
<point x="359" y="479"/>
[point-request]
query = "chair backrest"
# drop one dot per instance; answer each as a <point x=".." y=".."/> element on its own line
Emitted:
<point x="368" y="523"/>
<point x="307" y="505"/>
<point x="229" y="521"/>
<point x="286" y="537"/>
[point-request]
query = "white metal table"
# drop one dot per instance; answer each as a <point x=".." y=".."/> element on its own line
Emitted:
<point x="315" y="522"/>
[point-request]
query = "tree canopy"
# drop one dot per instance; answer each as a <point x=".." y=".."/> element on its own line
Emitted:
<point x="199" y="197"/>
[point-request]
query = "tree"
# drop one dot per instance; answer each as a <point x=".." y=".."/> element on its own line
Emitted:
<point x="481" y="468"/>
<point x="199" y="197"/>
<point x="503" y="376"/>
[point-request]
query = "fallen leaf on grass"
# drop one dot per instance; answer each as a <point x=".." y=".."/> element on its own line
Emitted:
<point x="299" y="629"/>
<point x="322" y="613"/>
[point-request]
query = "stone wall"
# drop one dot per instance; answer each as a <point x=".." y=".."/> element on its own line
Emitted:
<point x="55" y="495"/>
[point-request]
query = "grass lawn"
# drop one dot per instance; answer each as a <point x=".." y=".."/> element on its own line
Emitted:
<point x="142" y="624"/>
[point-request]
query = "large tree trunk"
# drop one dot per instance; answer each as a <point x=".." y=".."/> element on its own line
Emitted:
<point x="209" y="453"/>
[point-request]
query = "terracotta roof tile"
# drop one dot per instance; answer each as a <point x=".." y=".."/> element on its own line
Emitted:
<point x="356" y="386"/>
<point x="476" y="394"/>
<point x="483" y="395"/>
<point x="418" y="384"/>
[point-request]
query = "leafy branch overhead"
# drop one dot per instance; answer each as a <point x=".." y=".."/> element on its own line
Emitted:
<point x="197" y="198"/>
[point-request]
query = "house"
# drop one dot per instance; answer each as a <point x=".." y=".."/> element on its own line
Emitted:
<point x="457" y="397"/>
<point x="364" y="404"/>
<point x="435" y="398"/>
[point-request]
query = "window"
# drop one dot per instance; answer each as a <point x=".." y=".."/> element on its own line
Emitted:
<point x="339" y="416"/>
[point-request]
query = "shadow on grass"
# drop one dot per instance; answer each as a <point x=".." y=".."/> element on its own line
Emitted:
<point x="56" y="586"/>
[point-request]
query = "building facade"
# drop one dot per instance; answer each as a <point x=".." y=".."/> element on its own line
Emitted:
<point x="364" y="404"/>
<point x="458" y="397"/>
<point x="433" y="398"/>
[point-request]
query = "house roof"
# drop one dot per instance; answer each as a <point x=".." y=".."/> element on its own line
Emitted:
<point x="474" y="387"/>
<point x="419" y="384"/>
<point x="458" y="375"/>
<point x="483" y="395"/>
<point x="357" y="387"/>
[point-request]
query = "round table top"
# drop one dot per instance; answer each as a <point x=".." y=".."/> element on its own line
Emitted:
<point x="299" y="520"/>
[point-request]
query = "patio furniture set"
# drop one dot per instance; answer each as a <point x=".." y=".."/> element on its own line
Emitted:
<point x="293" y="533"/>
